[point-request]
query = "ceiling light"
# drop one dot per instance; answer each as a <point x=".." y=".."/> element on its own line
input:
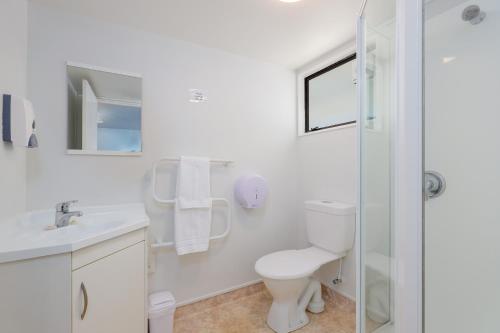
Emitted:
<point x="289" y="0"/>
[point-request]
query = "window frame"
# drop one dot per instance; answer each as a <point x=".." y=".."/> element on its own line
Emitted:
<point x="317" y="73"/>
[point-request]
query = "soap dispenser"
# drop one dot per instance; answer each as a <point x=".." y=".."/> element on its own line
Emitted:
<point x="18" y="121"/>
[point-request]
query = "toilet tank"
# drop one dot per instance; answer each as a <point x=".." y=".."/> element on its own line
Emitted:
<point x="330" y="225"/>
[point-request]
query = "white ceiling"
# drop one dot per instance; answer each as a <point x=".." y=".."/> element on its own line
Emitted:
<point x="288" y="34"/>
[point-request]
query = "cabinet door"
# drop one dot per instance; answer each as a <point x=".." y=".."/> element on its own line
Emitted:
<point x="113" y="289"/>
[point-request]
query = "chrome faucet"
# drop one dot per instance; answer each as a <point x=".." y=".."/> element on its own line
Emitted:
<point x="63" y="215"/>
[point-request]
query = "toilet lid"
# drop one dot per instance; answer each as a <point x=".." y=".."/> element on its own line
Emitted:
<point x="293" y="264"/>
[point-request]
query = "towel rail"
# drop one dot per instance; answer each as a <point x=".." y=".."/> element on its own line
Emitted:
<point x="172" y="201"/>
<point x="174" y="160"/>
<point x="224" y="234"/>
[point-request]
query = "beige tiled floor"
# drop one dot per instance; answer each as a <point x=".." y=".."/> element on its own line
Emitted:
<point x="246" y="310"/>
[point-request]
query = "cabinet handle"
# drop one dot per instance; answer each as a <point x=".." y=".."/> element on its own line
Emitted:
<point x="85" y="300"/>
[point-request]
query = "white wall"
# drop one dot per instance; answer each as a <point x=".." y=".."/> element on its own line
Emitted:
<point x="462" y="80"/>
<point x="13" y="36"/>
<point x="249" y="118"/>
<point x="327" y="170"/>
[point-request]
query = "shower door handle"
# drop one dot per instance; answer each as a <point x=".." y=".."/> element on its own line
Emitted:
<point x="434" y="184"/>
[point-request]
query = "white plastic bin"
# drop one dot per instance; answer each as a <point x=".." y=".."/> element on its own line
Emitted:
<point x="161" y="312"/>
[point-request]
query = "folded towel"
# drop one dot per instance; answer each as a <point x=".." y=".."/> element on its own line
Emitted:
<point x="193" y="206"/>
<point x="193" y="182"/>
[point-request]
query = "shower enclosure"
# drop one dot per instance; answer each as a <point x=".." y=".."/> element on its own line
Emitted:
<point x="429" y="166"/>
<point x="462" y="143"/>
<point x="376" y="68"/>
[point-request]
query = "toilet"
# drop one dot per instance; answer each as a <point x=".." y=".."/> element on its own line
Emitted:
<point x="288" y="274"/>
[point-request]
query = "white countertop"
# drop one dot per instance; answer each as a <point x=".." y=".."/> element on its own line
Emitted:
<point x="26" y="236"/>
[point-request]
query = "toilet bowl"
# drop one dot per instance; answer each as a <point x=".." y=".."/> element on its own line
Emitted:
<point x="288" y="274"/>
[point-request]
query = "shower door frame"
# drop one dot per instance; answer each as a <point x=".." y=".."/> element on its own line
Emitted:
<point x="406" y="173"/>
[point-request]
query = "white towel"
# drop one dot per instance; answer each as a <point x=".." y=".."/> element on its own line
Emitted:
<point x="193" y="206"/>
<point x="193" y="182"/>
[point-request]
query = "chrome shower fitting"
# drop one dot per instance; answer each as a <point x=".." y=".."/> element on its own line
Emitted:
<point x="473" y="14"/>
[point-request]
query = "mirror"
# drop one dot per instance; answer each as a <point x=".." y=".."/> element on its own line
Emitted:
<point x="330" y="96"/>
<point x="104" y="111"/>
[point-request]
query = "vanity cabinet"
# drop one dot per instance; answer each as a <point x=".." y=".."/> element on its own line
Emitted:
<point x="48" y="294"/>
<point x="108" y="287"/>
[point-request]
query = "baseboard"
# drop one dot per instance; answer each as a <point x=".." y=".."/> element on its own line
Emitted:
<point x="387" y="328"/>
<point x="217" y="293"/>
<point x="243" y="285"/>
<point x="376" y="315"/>
<point x="343" y="294"/>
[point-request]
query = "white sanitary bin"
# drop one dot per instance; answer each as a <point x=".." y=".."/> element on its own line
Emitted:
<point x="161" y="312"/>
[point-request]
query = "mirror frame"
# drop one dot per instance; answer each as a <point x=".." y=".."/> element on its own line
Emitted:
<point x="104" y="152"/>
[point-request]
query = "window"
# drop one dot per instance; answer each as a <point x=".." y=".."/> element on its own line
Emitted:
<point x="330" y="96"/>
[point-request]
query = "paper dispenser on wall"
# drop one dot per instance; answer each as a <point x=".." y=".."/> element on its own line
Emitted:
<point x="251" y="191"/>
<point x="18" y="121"/>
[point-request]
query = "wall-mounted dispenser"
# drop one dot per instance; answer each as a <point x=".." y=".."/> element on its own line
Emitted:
<point x="251" y="191"/>
<point x="18" y="121"/>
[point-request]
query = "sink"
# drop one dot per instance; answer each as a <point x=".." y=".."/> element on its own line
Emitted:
<point x="27" y="236"/>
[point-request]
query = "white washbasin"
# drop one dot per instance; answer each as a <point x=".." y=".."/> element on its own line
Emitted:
<point x="27" y="236"/>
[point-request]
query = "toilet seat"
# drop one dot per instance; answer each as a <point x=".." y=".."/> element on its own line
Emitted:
<point x="293" y="264"/>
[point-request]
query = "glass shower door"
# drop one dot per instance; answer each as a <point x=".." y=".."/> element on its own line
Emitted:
<point x="376" y="36"/>
<point x="462" y="143"/>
